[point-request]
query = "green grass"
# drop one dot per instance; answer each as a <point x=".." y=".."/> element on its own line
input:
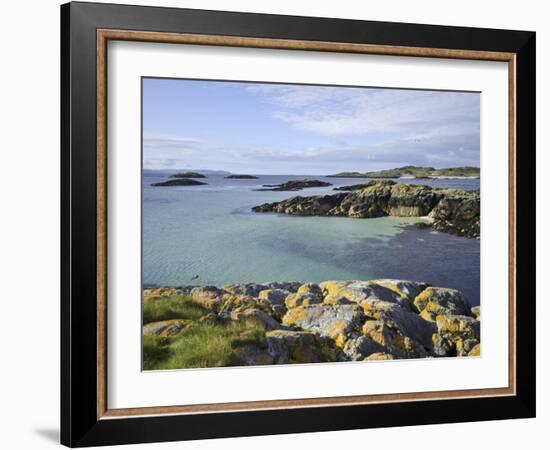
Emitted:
<point x="172" y="308"/>
<point x="201" y="345"/>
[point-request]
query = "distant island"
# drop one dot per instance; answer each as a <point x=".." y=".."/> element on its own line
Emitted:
<point x="179" y="182"/>
<point x="414" y="172"/>
<point x="241" y="177"/>
<point x="187" y="175"/>
<point x="294" y="185"/>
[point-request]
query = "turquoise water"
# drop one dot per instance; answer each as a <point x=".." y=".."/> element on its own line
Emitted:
<point x="210" y="231"/>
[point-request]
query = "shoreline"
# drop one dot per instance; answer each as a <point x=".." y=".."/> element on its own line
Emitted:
<point x="294" y="322"/>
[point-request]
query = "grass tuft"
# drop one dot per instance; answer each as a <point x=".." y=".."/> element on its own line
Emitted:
<point x="202" y="345"/>
<point x="174" y="307"/>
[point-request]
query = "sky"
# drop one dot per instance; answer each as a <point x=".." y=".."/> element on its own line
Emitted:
<point x="260" y="128"/>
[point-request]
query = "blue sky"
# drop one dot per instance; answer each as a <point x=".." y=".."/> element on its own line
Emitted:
<point x="297" y="129"/>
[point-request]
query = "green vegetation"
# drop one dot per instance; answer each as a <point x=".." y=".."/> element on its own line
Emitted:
<point x="187" y="175"/>
<point x="414" y="171"/>
<point x="202" y="345"/>
<point x="174" y="307"/>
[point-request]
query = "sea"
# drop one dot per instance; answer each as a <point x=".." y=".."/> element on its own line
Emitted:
<point x="208" y="235"/>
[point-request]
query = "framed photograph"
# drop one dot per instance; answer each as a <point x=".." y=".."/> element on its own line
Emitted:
<point x="277" y="224"/>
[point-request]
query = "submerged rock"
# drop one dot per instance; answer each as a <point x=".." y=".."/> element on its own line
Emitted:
<point x="450" y="210"/>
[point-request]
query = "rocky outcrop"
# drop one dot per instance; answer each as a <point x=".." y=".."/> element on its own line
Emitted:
<point x="179" y="182"/>
<point x="188" y="175"/>
<point x="241" y="177"/>
<point x="335" y="320"/>
<point x="294" y="185"/>
<point x="448" y="210"/>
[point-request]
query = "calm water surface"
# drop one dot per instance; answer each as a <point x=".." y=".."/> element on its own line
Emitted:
<point x="210" y="231"/>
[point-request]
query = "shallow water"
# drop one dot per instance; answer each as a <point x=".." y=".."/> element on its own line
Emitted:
<point x="210" y="231"/>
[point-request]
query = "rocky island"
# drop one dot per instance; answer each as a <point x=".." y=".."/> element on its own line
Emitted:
<point x="188" y="175"/>
<point x="179" y="182"/>
<point x="415" y="172"/>
<point x="450" y="210"/>
<point x="241" y="177"/>
<point x="293" y="322"/>
<point x="294" y="185"/>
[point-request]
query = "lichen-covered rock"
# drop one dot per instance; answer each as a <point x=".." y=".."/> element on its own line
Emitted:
<point x="230" y="302"/>
<point x="297" y="347"/>
<point x="358" y="291"/>
<point x="165" y="327"/>
<point x="457" y="326"/>
<point x="443" y="346"/>
<point x="393" y="341"/>
<point x="338" y="323"/>
<point x="406" y="322"/>
<point x="311" y="288"/>
<point x="302" y="299"/>
<point x="458" y="213"/>
<point x="404" y="288"/>
<point x="450" y="210"/>
<point x="361" y="347"/>
<point x="476" y="351"/>
<point x="290" y="286"/>
<point x="273" y="296"/>
<point x="442" y="301"/>
<point x="252" y="314"/>
<point x="155" y="294"/>
<point x="465" y="346"/>
<point x="207" y="296"/>
<point x="379" y="357"/>
<point x="249" y="289"/>
<point x="275" y="300"/>
<point x="476" y="312"/>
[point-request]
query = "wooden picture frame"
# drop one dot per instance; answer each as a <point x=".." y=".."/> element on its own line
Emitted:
<point x="86" y="418"/>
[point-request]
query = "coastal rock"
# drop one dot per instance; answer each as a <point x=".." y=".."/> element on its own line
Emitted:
<point x="455" y="326"/>
<point x="338" y="323"/>
<point x="441" y="301"/>
<point x="187" y="175"/>
<point x="407" y="323"/>
<point x="358" y="187"/>
<point x="257" y="315"/>
<point x="476" y="312"/>
<point x="380" y="356"/>
<point x="275" y="300"/>
<point x="241" y="177"/>
<point x="207" y="296"/>
<point x="291" y="286"/>
<point x="294" y="185"/>
<point x="359" y="291"/>
<point x="359" y="348"/>
<point x="179" y="182"/>
<point x="251" y="289"/>
<point x="393" y="341"/>
<point x="450" y="210"/>
<point x="155" y="294"/>
<point x="302" y="299"/>
<point x="165" y="327"/>
<point x="476" y="351"/>
<point x="458" y="213"/>
<point x="297" y="347"/>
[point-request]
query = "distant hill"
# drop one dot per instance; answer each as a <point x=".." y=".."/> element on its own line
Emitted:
<point x="414" y="172"/>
